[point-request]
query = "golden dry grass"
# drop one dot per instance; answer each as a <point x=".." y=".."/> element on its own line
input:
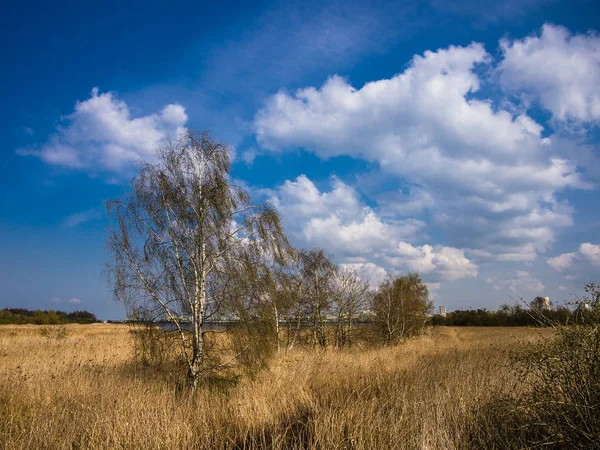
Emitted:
<point x="82" y="391"/>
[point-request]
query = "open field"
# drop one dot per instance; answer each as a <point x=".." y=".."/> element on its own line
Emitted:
<point x="81" y="391"/>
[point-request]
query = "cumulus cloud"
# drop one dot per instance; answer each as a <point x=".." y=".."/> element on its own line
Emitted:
<point x="74" y="300"/>
<point x="522" y="281"/>
<point x="488" y="174"/>
<point x="368" y="271"/>
<point x="339" y="222"/>
<point x="314" y="217"/>
<point x="562" y="262"/>
<point x="102" y="135"/>
<point x="556" y="69"/>
<point x="586" y="252"/>
<point x="590" y="252"/>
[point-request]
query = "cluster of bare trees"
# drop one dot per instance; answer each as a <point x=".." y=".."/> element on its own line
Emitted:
<point x="314" y="294"/>
<point x="190" y="247"/>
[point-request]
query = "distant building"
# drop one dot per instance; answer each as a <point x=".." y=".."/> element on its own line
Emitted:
<point x="541" y="304"/>
<point x="443" y="311"/>
<point x="547" y="304"/>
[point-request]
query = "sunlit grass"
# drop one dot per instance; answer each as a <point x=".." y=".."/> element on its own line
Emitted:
<point x="82" y="391"/>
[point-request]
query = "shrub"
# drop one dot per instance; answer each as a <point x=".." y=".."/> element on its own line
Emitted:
<point x="54" y="332"/>
<point x="560" y="405"/>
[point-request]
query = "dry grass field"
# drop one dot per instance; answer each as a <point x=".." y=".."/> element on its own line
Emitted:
<point x="81" y="390"/>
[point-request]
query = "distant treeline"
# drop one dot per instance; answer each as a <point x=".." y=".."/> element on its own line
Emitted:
<point x="507" y="316"/>
<point x="18" y="316"/>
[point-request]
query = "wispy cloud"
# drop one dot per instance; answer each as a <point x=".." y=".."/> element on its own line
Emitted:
<point x="523" y="281"/>
<point x="74" y="300"/>
<point x="294" y="40"/>
<point x="76" y="219"/>
<point x="483" y="13"/>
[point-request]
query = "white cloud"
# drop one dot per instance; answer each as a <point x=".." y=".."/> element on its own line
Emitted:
<point x="434" y="289"/>
<point x="488" y="174"/>
<point x="522" y="281"/>
<point x="562" y="262"/>
<point x="368" y="271"/>
<point x="562" y="288"/>
<point x="339" y="222"/>
<point x="452" y="263"/>
<point x="78" y="218"/>
<point x="591" y="252"/>
<point x="55" y="300"/>
<point x="74" y="300"/>
<point x="560" y="71"/>
<point x="433" y="286"/>
<point x="101" y="135"/>
<point x="249" y="156"/>
<point x="586" y="252"/>
<point x="405" y="203"/>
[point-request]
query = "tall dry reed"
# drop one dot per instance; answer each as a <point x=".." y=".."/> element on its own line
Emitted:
<point x="80" y="389"/>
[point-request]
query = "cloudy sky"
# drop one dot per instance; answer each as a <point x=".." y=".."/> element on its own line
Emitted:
<point x="456" y="139"/>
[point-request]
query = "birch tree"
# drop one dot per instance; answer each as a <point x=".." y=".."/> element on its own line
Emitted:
<point x="316" y="272"/>
<point x="351" y="295"/>
<point x="182" y="238"/>
<point x="271" y="297"/>
<point x="401" y="306"/>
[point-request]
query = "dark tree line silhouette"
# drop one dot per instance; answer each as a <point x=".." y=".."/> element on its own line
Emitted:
<point x="19" y="316"/>
<point x="506" y="316"/>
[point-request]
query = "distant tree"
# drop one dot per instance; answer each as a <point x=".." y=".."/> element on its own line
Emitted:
<point x="182" y="238"/>
<point x="507" y="315"/>
<point x="587" y="309"/>
<point x="82" y="317"/>
<point x="351" y="296"/>
<point x="266" y="299"/>
<point x="401" y="307"/>
<point x="314" y="285"/>
<point x="292" y="298"/>
<point x="44" y="317"/>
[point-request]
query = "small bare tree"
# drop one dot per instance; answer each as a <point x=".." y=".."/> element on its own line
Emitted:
<point x="183" y="238"/>
<point x="317" y="273"/>
<point x="351" y="295"/>
<point x="292" y="294"/>
<point x="272" y="294"/>
<point x="401" y="306"/>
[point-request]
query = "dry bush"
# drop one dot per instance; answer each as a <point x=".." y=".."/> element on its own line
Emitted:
<point x="557" y="404"/>
<point x="84" y="392"/>
<point x="253" y="345"/>
<point x="53" y="332"/>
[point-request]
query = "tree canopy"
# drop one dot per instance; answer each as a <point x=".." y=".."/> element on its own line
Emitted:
<point x="401" y="306"/>
<point x="185" y="239"/>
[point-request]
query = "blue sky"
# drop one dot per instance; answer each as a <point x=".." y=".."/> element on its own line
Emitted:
<point x="457" y="139"/>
